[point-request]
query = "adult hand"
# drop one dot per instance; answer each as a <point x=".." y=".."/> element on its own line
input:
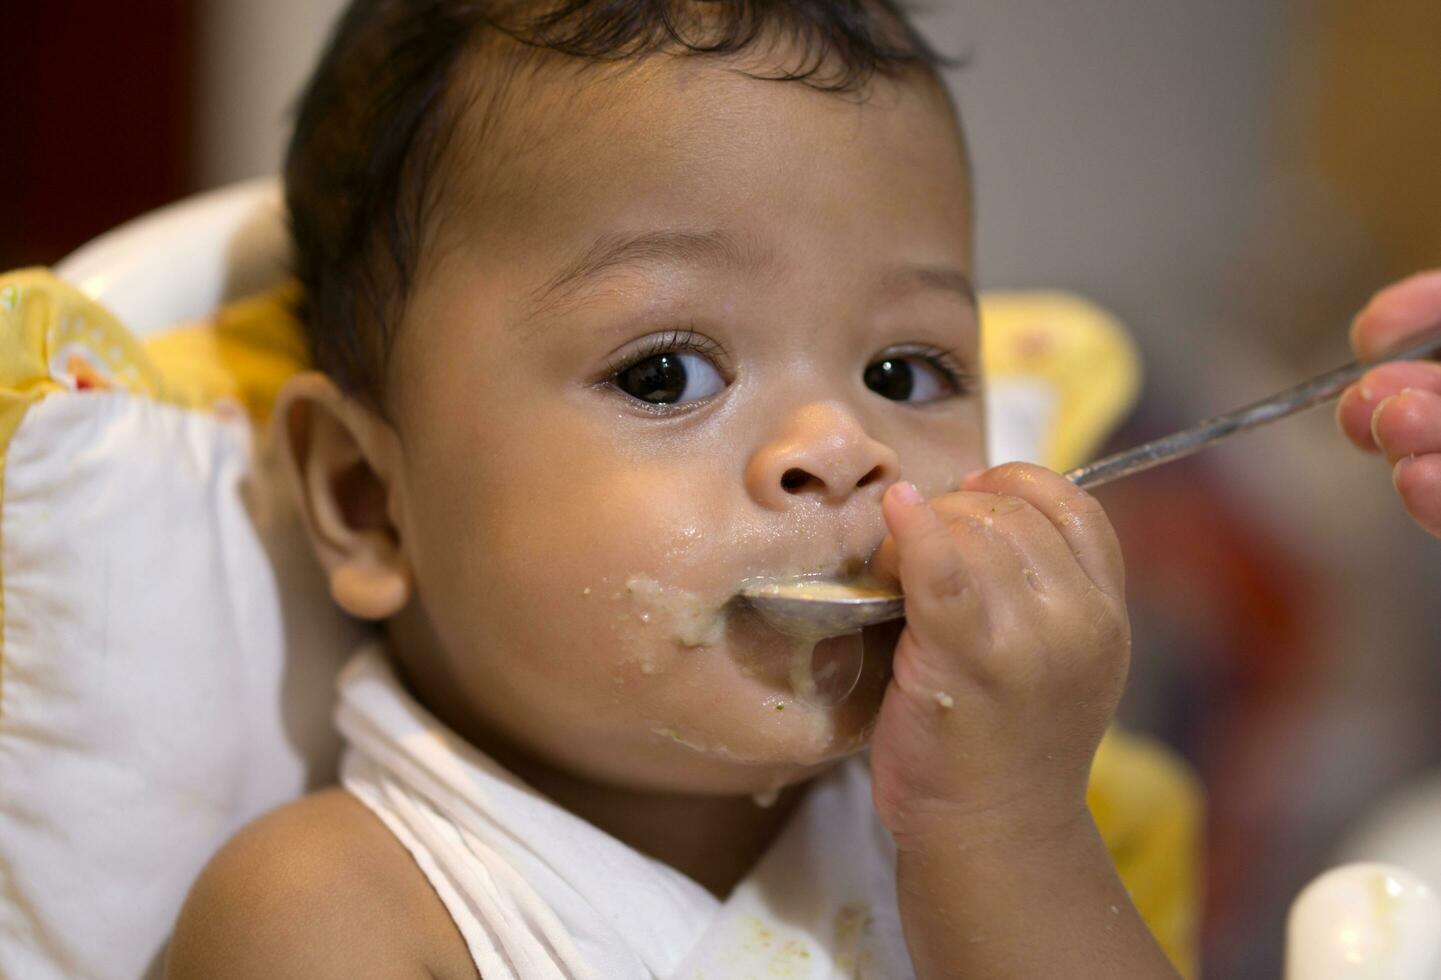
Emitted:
<point x="1395" y="409"/>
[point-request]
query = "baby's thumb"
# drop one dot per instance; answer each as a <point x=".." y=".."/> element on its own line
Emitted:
<point x="921" y="552"/>
<point x="897" y="507"/>
<point x="905" y="511"/>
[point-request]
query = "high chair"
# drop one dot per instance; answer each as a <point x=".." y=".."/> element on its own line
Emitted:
<point x="183" y="729"/>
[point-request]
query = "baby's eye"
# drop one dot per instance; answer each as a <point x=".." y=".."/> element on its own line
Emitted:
<point x="670" y="379"/>
<point x="911" y="379"/>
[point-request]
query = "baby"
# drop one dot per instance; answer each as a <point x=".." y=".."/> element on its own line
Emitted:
<point x="620" y="305"/>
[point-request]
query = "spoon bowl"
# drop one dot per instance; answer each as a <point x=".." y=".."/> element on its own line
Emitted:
<point x="829" y="671"/>
<point x="814" y="607"/>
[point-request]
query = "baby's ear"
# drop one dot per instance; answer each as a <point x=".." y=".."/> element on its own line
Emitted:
<point x="342" y="460"/>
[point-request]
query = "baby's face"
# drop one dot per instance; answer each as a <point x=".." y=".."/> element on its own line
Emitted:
<point x="700" y="327"/>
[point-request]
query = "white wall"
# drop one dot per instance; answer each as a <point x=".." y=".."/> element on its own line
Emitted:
<point x="254" y="57"/>
<point x="1118" y="142"/>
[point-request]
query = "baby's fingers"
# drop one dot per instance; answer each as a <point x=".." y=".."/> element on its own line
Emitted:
<point x="1074" y="513"/>
<point x="922" y="552"/>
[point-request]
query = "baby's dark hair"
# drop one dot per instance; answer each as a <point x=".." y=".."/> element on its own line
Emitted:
<point x="373" y="122"/>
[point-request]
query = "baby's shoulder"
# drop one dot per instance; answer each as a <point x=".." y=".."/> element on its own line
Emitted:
<point x="318" y="888"/>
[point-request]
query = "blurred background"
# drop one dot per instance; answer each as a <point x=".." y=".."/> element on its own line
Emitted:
<point x="1233" y="178"/>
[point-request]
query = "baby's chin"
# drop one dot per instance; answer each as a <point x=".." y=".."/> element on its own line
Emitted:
<point x="730" y="718"/>
<point x="717" y="759"/>
<point x="723" y="703"/>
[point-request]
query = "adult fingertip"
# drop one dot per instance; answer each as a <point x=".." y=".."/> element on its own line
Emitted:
<point x="1353" y="417"/>
<point x="1396" y="314"/>
<point x="1418" y="481"/>
<point x="1359" y="333"/>
<point x="1376" y="421"/>
<point x="1342" y="412"/>
<point x="1353" y="332"/>
<point x="1398" y="472"/>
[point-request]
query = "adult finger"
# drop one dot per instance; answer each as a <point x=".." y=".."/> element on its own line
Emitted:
<point x="1408" y="424"/>
<point x="1396" y="313"/>
<point x="1418" y="481"/>
<point x="1358" y="404"/>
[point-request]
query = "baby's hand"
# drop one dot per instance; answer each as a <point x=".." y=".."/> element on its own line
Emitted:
<point x="1011" y="663"/>
<point x="1396" y="408"/>
<point x="1013" y="658"/>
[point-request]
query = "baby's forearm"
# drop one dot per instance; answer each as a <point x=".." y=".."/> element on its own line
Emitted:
<point x="978" y="900"/>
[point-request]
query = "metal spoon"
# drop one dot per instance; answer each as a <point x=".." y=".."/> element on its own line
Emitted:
<point x="798" y="607"/>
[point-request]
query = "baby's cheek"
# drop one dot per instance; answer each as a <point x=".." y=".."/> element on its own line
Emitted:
<point x="936" y="458"/>
<point x="602" y="566"/>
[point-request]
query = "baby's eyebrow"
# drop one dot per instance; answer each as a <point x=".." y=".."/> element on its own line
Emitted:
<point x="946" y="278"/>
<point x="612" y="251"/>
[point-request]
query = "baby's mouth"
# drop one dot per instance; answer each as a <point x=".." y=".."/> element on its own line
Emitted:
<point x="841" y="571"/>
<point x="824" y="663"/>
<point x="842" y="597"/>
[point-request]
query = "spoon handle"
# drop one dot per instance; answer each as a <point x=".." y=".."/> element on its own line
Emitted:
<point x="1305" y="395"/>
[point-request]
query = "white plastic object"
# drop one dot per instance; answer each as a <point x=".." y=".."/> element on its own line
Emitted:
<point x="184" y="261"/>
<point x="1365" y="922"/>
<point x="1019" y="415"/>
<point x="1404" y="829"/>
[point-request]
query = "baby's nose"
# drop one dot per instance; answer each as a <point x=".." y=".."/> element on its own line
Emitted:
<point x="821" y="452"/>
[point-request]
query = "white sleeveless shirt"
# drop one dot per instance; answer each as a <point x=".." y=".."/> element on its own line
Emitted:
<point x="540" y="894"/>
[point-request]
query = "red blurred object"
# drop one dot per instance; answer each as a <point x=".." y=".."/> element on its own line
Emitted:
<point x="97" y="115"/>
<point x="1212" y="575"/>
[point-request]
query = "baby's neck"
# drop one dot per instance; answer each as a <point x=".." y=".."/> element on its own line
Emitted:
<point x="714" y="840"/>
